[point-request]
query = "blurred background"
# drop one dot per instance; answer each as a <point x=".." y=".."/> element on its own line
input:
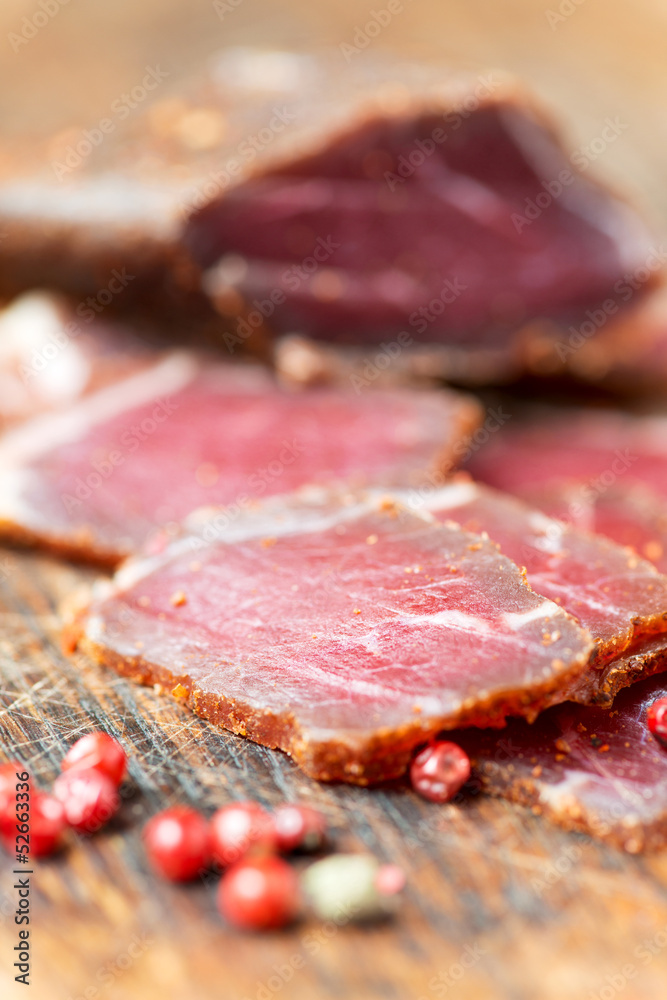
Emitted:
<point x="64" y="61"/>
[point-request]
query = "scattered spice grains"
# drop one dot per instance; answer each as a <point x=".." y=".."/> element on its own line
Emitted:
<point x="657" y="720"/>
<point x="178" y="843"/>
<point x="439" y="771"/>
<point x="259" y="894"/>
<point x="258" y="889"/>
<point x="99" y="751"/>
<point x="85" y="795"/>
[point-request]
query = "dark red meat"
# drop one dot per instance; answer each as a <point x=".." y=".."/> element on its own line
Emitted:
<point x="585" y="768"/>
<point x="620" y="598"/>
<point x="588" y="451"/>
<point x="350" y="206"/>
<point x="95" y="480"/>
<point x="344" y="632"/>
<point x="422" y="220"/>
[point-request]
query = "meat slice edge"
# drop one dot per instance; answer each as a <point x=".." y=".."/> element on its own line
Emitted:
<point x="97" y="479"/>
<point x="600" y="772"/>
<point x="620" y="598"/>
<point x="344" y="632"/>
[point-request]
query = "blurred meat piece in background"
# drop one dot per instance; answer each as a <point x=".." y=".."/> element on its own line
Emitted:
<point x="624" y="351"/>
<point x="389" y="200"/>
<point x="52" y="354"/>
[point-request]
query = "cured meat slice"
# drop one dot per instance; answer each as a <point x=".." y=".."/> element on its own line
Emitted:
<point x="646" y="657"/>
<point x="602" y="472"/>
<point x="349" y="207"/>
<point x="586" y="769"/>
<point x="442" y="248"/>
<point x="52" y="355"/>
<point x="95" y="480"/>
<point x="629" y="514"/>
<point x="618" y="597"/>
<point x="590" y="450"/>
<point x="343" y="632"/>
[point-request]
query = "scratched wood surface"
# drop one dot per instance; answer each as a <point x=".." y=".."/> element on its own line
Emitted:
<point x="533" y="911"/>
<point x="499" y="904"/>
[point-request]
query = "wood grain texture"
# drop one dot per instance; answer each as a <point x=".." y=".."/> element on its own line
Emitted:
<point x="486" y="876"/>
<point x="540" y="914"/>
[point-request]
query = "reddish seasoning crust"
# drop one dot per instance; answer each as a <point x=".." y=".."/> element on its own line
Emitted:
<point x="585" y="769"/>
<point x="645" y="658"/>
<point x="82" y="547"/>
<point x="374" y="751"/>
<point x="383" y="757"/>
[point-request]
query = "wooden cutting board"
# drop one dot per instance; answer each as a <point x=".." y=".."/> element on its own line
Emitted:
<point x="499" y="904"/>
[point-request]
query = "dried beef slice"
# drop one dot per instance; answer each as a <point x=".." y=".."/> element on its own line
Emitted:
<point x="345" y="632"/>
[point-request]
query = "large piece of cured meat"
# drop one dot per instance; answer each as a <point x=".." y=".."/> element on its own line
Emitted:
<point x="352" y="207"/>
<point x="620" y="598"/>
<point x="95" y="480"/>
<point x="585" y="768"/>
<point x="344" y="632"/>
<point x="413" y="219"/>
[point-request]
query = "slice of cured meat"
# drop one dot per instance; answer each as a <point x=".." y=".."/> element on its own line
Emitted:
<point x="630" y="514"/>
<point x="95" y="480"/>
<point x="585" y="450"/>
<point x="646" y="657"/>
<point x="343" y="632"/>
<point x="585" y="768"/>
<point x="414" y="220"/>
<point x="620" y="598"/>
<point x="602" y="472"/>
<point x="350" y="207"/>
<point x="52" y="355"/>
